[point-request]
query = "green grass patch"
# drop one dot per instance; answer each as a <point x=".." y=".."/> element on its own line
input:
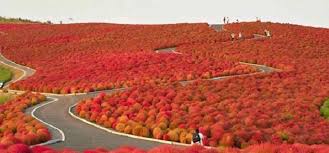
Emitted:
<point x="5" y="74"/>
<point x="324" y="110"/>
<point x="5" y="97"/>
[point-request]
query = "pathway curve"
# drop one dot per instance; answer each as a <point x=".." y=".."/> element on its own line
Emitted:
<point x="27" y="72"/>
<point x="70" y="132"/>
<point x="66" y="130"/>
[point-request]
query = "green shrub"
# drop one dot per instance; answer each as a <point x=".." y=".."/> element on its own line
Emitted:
<point x="324" y="110"/>
<point x="284" y="136"/>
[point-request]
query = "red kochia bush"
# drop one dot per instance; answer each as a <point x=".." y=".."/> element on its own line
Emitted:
<point x="109" y="70"/>
<point x="19" y="148"/>
<point x="165" y="149"/>
<point x="278" y="107"/>
<point x="233" y="117"/>
<point x="199" y="149"/>
<point x="262" y="148"/>
<point x="94" y="56"/>
<point x="67" y="151"/>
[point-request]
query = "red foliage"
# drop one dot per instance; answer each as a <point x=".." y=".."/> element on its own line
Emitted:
<point x="88" y="57"/>
<point x="16" y="127"/>
<point x="109" y="70"/>
<point x="262" y="148"/>
<point x="19" y="148"/>
<point x="245" y="107"/>
<point x="41" y="149"/>
<point x="277" y="107"/>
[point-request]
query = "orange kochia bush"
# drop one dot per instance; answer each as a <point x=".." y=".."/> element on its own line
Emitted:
<point x="17" y="127"/>
<point x="229" y="112"/>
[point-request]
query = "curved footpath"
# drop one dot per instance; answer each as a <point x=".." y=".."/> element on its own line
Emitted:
<point x="27" y="72"/>
<point x="67" y="131"/>
<point x="79" y="135"/>
<point x="70" y="132"/>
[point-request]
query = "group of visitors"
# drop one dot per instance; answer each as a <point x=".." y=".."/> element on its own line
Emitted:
<point x="226" y="20"/>
<point x="239" y="37"/>
<point x="267" y="33"/>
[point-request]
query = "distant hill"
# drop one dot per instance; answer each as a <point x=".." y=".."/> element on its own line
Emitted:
<point x="16" y="20"/>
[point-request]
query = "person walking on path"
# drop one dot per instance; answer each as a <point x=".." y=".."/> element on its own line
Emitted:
<point x="240" y="36"/>
<point x="267" y="33"/>
<point x="224" y="20"/>
<point x="197" y="138"/>
<point x="232" y="36"/>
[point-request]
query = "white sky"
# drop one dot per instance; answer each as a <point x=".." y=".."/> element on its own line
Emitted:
<point x="306" y="12"/>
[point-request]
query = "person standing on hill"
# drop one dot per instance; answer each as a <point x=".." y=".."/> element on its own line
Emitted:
<point x="197" y="138"/>
<point x="224" y="20"/>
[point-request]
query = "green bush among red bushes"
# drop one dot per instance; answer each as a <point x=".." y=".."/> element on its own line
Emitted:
<point x="324" y="110"/>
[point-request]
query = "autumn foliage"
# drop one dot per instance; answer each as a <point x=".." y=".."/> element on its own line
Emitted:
<point x="17" y="127"/>
<point x="88" y="57"/>
<point x="278" y="107"/>
<point x="283" y="107"/>
<point x="263" y="148"/>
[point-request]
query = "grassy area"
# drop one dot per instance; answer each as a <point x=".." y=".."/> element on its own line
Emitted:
<point x="5" y="97"/>
<point x="5" y="74"/>
<point x="15" y="72"/>
<point x="325" y="109"/>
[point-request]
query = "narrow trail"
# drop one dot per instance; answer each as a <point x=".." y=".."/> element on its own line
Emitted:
<point x="68" y="131"/>
<point x="27" y="72"/>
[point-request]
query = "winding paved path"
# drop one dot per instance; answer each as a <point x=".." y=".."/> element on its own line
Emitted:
<point x="79" y="135"/>
<point x="27" y="72"/>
